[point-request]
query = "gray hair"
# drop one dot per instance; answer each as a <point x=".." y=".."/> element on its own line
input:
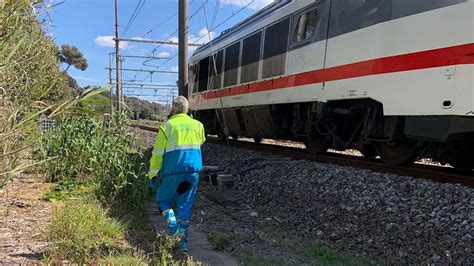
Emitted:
<point x="180" y="105"/>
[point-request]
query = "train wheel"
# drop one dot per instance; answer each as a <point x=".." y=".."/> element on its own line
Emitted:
<point x="257" y="140"/>
<point x="221" y="136"/>
<point x="403" y="152"/>
<point x="316" y="146"/>
<point x="367" y="149"/>
<point x="462" y="156"/>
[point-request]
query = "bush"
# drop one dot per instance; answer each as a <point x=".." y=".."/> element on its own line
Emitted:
<point x="30" y="78"/>
<point x="219" y="241"/>
<point x="82" y="232"/>
<point x="92" y="151"/>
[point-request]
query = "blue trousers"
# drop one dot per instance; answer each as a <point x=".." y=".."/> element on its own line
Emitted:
<point x="181" y="190"/>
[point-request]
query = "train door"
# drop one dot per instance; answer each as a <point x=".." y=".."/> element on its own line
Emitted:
<point x="308" y="39"/>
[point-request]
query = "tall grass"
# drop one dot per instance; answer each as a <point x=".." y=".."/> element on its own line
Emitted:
<point x="30" y="80"/>
<point x="96" y="152"/>
<point x="82" y="232"/>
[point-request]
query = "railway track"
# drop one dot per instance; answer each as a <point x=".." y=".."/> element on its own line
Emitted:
<point x="417" y="170"/>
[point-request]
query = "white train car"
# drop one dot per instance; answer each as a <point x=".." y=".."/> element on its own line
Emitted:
<point x="388" y="77"/>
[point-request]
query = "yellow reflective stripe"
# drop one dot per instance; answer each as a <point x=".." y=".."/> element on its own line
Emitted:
<point x="158" y="151"/>
<point x="156" y="160"/>
<point x="183" y="147"/>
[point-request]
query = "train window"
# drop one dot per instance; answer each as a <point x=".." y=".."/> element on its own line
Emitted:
<point x="305" y="26"/>
<point x="193" y="76"/>
<point x="402" y="8"/>
<point x="215" y="70"/>
<point x="275" y="48"/>
<point x="352" y="15"/>
<point x="203" y="74"/>
<point x="251" y="58"/>
<point x="231" y="65"/>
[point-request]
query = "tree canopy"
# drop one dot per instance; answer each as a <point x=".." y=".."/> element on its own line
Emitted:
<point x="71" y="56"/>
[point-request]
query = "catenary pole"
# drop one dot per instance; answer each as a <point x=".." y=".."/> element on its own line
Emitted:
<point x="111" y="86"/>
<point x="183" y="44"/>
<point x="117" y="61"/>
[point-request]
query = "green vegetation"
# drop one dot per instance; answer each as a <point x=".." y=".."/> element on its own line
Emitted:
<point x="97" y="166"/>
<point x="81" y="232"/>
<point x="97" y="152"/>
<point x="218" y="240"/>
<point x="30" y="81"/>
<point x="29" y="64"/>
<point x="326" y="255"/>
<point x="71" y="56"/>
<point x="128" y="259"/>
<point x="319" y="252"/>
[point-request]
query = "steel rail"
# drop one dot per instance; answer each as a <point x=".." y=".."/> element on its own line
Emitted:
<point x="430" y="172"/>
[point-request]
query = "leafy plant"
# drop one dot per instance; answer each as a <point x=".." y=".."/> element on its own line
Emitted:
<point x="218" y="240"/>
<point x="82" y="232"/>
<point x="61" y="191"/>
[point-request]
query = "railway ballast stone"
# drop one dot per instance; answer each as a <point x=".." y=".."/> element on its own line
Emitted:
<point x="383" y="216"/>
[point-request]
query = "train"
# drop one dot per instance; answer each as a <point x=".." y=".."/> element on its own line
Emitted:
<point x="390" y="78"/>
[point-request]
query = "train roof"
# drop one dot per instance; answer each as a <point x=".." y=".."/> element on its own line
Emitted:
<point x="262" y="13"/>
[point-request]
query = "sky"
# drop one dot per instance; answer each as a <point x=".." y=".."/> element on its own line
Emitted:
<point x="89" y="25"/>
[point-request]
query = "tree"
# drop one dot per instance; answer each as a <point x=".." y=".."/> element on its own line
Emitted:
<point x="71" y="56"/>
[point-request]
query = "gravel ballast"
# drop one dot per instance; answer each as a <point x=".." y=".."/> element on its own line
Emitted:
<point x="388" y="218"/>
<point x="381" y="216"/>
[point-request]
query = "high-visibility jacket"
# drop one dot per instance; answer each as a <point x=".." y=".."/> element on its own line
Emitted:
<point x="178" y="147"/>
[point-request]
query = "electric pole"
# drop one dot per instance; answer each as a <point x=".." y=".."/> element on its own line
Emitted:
<point x="111" y="87"/>
<point x="117" y="61"/>
<point x="183" y="28"/>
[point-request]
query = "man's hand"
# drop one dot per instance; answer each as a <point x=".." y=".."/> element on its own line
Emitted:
<point x="154" y="182"/>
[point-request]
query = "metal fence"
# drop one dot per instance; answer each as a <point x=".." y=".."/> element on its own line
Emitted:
<point x="47" y="124"/>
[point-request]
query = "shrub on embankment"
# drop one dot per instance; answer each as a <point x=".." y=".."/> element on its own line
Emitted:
<point x="30" y="79"/>
<point x="96" y="153"/>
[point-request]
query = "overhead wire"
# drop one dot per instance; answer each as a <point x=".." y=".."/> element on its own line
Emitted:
<point x="208" y="34"/>
<point x="135" y="14"/>
<point x="210" y="30"/>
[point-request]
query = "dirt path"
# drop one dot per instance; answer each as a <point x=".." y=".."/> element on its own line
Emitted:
<point x="23" y="218"/>
<point x="199" y="247"/>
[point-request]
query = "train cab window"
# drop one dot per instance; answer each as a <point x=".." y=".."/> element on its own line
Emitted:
<point x="203" y="74"/>
<point x="215" y="70"/>
<point x="349" y="16"/>
<point x="231" y="64"/>
<point x="251" y="58"/>
<point x="275" y="49"/>
<point x="305" y="26"/>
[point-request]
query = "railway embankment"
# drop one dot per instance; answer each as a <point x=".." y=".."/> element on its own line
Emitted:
<point x="300" y="211"/>
<point x="383" y="217"/>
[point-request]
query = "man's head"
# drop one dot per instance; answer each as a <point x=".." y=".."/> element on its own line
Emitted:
<point x="180" y="105"/>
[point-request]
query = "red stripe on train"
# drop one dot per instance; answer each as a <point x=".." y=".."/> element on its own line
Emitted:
<point x="455" y="55"/>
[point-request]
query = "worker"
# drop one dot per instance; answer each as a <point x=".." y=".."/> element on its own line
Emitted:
<point x="174" y="168"/>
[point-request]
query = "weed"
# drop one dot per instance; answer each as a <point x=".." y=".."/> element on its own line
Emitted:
<point x="60" y="191"/>
<point x="166" y="249"/>
<point x="326" y="255"/>
<point x="218" y="240"/>
<point x="82" y="232"/>
<point x="128" y="259"/>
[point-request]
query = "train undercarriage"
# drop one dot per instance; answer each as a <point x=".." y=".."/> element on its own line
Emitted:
<point x="351" y="124"/>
